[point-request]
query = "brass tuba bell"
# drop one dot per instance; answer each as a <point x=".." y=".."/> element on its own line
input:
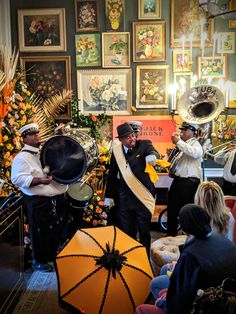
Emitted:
<point x="201" y="104"/>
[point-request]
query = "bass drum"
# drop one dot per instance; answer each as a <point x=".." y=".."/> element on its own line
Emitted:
<point x="79" y="194"/>
<point x="68" y="157"/>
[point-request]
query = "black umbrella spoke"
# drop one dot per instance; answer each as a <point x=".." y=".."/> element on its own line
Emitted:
<point x="105" y="292"/>
<point x="114" y="240"/>
<point x="90" y="236"/>
<point x="132" y="248"/>
<point x="81" y="281"/>
<point x="128" y="290"/>
<point x="77" y="255"/>
<point x="138" y="269"/>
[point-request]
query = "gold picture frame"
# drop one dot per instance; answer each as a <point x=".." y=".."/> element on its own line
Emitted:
<point x="214" y="68"/>
<point x="105" y="90"/>
<point x="149" y="41"/>
<point x="116" y="50"/>
<point x="183" y="81"/>
<point x="232" y="94"/>
<point x="178" y="64"/>
<point x="152" y="86"/>
<point x="86" y="16"/>
<point x="232" y="6"/>
<point x="46" y="75"/>
<point x="185" y="20"/>
<point x="42" y="30"/>
<point x="149" y="9"/>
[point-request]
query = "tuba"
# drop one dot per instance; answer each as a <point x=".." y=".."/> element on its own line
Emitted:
<point x="201" y="104"/>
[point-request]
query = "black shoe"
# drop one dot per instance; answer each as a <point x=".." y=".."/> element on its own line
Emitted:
<point x="42" y="267"/>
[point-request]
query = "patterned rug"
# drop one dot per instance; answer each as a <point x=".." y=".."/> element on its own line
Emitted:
<point x="41" y="295"/>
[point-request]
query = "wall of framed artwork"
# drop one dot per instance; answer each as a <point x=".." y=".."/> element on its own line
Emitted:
<point x="214" y="68"/>
<point x="42" y="30"/>
<point x="149" y="43"/>
<point x="149" y="9"/>
<point x="181" y="61"/>
<point x="185" y="19"/>
<point x="228" y="40"/>
<point x="88" y="50"/>
<point x="86" y="15"/>
<point x="46" y="75"/>
<point x="152" y="86"/>
<point x="105" y="90"/>
<point x="116" y="50"/>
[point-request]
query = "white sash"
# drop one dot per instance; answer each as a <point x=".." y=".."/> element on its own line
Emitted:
<point x="139" y="190"/>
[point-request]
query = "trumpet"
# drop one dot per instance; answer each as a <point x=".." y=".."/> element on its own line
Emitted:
<point x="225" y="149"/>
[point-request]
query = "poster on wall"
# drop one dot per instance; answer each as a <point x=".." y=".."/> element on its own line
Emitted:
<point x="156" y="129"/>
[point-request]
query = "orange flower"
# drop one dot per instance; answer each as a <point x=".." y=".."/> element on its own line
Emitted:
<point x="101" y="203"/>
<point x="94" y="118"/>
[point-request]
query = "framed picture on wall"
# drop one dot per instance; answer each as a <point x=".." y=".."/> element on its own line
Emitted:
<point x="232" y="6"/>
<point x="86" y="16"/>
<point x="181" y="61"/>
<point x="149" y="9"/>
<point x="214" y="68"/>
<point x="105" y="90"/>
<point x="186" y="18"/>
<point x="152" y="86"/>
<point x="149" y="41"/>
<point x="46" y="75"/>
<point x="42" y="30"/>
<point x="182" y="82"/>
<point x="228" y="40"/>
<point x="232" y="94"/>
<point x="116" y="50"/>
<point x="115" y="15"/>
<point x="87" y="49"/>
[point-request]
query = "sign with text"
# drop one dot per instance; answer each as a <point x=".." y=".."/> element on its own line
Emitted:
<point x="156" y="129"/>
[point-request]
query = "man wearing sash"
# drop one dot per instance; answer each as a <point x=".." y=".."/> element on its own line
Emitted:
<point x="128" y="180"/>
<point x="186" y="173"/>
<point x="43" y="199"/>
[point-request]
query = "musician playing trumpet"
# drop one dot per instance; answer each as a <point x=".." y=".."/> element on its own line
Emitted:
<point x="186" y="171"/>
<point x="227" y="157"/>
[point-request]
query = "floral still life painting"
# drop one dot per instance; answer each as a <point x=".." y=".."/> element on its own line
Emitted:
<point x="115" y="15"/>
<point x="116" y="49"/>
<point x="228" y="39"/>
<point x="152" y="89"/>
<point x="86" y="15"/>
<point x="149" y="41"/>
<point x="212" y="67"/>
<point x="104" y="90"/>
<point x="87" y="47"/>
<point x="149" y="9"/>
<point x="223" y="130"/>
<point x="42" y="30"/>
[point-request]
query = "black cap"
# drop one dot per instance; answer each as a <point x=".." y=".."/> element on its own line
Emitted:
<point x="124" y="130"/>
<point x="190" y="126"/>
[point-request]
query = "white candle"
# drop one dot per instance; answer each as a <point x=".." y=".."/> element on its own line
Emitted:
<point x="222" y="47"/>
<point x="204" y="37"/>
<point x="183" y="44"/>
<point x="172" y="93"/>
<point x="202" y="22"/>
<point x="191" y="46"/>
<point x="226" y="95"/>
<point x="214" y="45"/>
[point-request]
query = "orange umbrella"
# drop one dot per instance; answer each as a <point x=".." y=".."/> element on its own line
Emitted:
<point x="103" y="270"/>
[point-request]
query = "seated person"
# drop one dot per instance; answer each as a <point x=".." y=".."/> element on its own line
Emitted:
<point x="206" y="259"/>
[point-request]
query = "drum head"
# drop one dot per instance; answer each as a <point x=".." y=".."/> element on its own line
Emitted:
<point x="80" y="191"/>
<point x="65" y="158"/>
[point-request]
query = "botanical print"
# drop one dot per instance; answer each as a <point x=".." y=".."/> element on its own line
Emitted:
<point x="87" y="48"/>
<point x="149" y="9"/>
<point x="105" y="90"/>
<point x="115" y="15"/>
<point x="185" y="20"/>
<point x="149" y="41"/>
<point x="228" y="40"/>
<point x="212" y="68"/>
<point x="116" y="49"/>
<point x="152" y="86"/>
<point x="86" y="15"/>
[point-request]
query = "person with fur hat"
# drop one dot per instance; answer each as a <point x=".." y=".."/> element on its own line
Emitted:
<point x="186" y="171"/>
<point x="206" y="259"/>
<point x="128" y="180"/>
<point x="43" y="199"/>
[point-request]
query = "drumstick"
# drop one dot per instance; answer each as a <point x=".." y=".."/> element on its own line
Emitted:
<point x="86" y="179"/>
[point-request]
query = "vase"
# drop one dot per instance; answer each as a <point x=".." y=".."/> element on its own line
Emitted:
<point x="148" y="51"/>
<point x="84" y="56"/>
<point x="115" y="23"/>
<point x="117" y="58"/>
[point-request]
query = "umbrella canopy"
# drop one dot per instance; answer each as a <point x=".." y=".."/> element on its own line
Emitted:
<point x="103" y="270"/>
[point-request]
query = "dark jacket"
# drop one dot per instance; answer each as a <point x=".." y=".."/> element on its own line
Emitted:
<point x="137" y="162"/>
<point x="202" y="264"/>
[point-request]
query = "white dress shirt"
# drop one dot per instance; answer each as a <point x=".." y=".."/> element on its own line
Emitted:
<point x="226" y="159"/>
<point x="189" y="164"/>
<point x="25" y="167"/>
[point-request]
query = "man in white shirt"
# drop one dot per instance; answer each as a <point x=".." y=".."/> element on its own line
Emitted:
<point x="187" y="173"/>
<point x="227" y="157"/>
<point x="43" y="199"/>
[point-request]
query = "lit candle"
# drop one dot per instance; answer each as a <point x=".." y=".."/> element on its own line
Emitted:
<point x="183" y="44"/>
<point x="191" y="46"/>
<point x="222" y="47"/>
<point x="204" y="37"/>
<point x="172" y="92"/>
<point x="214" y="45"/>
<point x="202" y="22"/>
<point x="227" y="94"/>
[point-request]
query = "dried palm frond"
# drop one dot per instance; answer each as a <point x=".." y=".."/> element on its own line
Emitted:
<point x="2" y="77"/>
<point x="8" y="63"/>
